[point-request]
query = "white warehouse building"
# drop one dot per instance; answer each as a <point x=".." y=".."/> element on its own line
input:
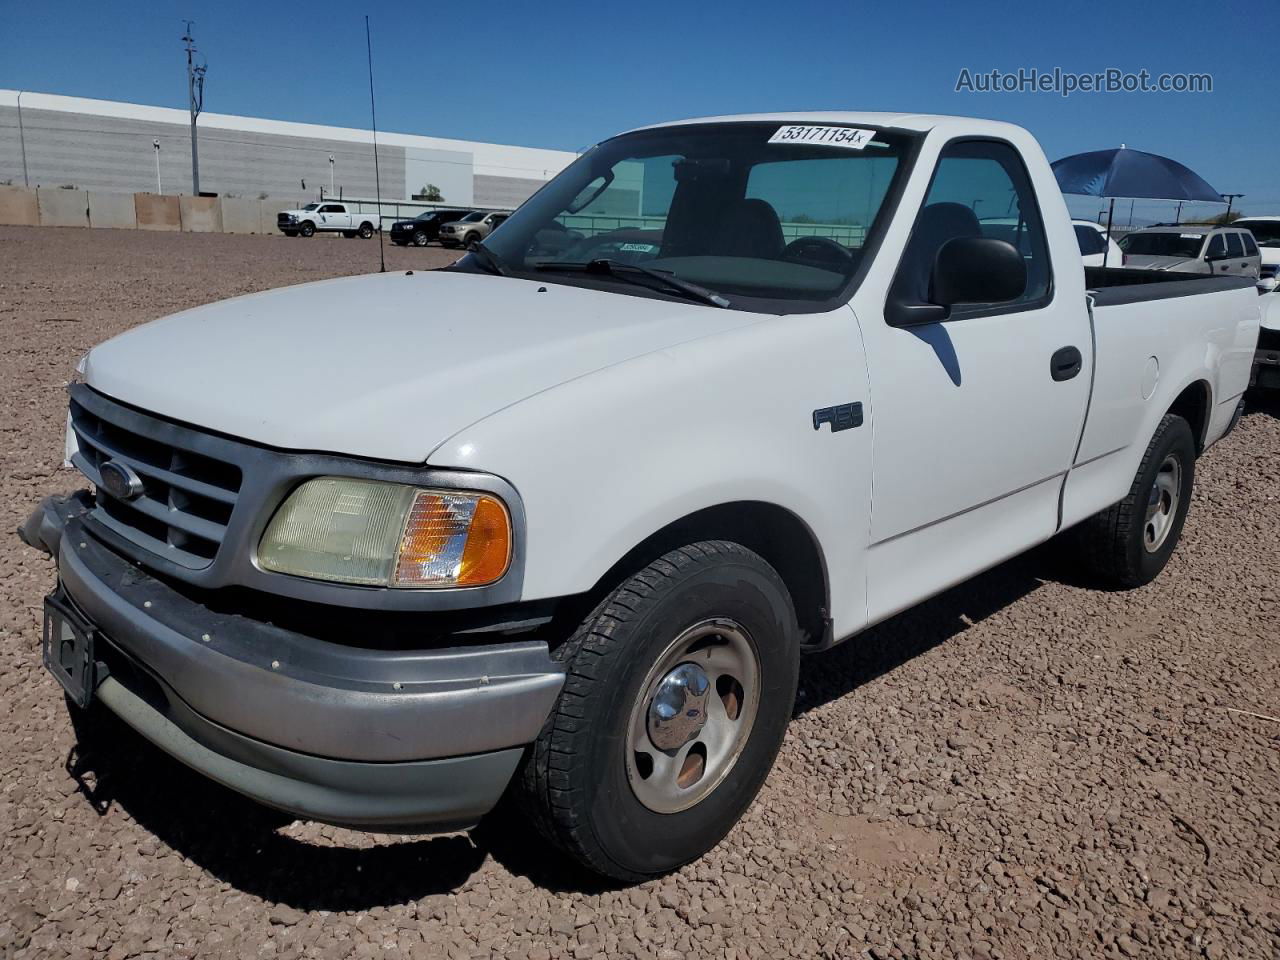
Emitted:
<point x="51" y="141"/>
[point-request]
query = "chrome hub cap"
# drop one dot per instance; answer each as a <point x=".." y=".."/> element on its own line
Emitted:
<point x="1162" y="504"/>
<point x="679" y="708"/>
<point x="693" y="717"/>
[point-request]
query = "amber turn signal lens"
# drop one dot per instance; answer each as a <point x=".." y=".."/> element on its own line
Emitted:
<point x="452" y="539"/>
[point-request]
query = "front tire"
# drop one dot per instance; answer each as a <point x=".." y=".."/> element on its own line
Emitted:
<point x="471" y="240"/>
<point x="308" y="229"/>
<point x="678" y="690"/>
<point x="1129" y="543"/>
<point x="420" y="238"/>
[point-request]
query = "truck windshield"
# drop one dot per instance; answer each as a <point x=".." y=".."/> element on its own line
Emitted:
<point x="1185" y="245"/>
<point x="751" y="210"/>
<point x="312" y="206"/>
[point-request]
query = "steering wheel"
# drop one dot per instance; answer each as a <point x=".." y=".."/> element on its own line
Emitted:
<point x="821" y="251"/>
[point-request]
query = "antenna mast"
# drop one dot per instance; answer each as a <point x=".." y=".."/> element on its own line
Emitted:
<point x="195" y="101"/>
<point x="377" y="176"/>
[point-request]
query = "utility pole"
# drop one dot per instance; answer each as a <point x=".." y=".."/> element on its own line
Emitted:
<point x="195" y="101"/>
<point x="1230" y="198"/>
<point x="156" y="145"/>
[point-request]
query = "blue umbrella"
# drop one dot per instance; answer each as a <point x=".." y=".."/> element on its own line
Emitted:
<point x="1130" y="173"/>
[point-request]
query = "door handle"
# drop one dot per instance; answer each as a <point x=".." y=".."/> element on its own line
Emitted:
<point x="1065" y="363"/>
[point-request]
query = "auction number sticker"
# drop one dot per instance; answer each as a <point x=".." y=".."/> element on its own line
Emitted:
<point x="851" y="138"/>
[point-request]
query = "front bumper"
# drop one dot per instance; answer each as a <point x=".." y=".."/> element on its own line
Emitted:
<point x="382" y="739"/>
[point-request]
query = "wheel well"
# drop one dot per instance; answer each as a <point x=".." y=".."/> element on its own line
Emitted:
<point x="366" y="223"/>
<point x="775" y="533"/>
<point x="1192" y="404"/>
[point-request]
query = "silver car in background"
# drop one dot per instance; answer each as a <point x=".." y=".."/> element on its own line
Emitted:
<point x="1186" y="248"/>
<point x="470" y="229"/>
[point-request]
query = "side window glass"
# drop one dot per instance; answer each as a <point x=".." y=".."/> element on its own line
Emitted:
<point x="1217" y="247"/>
<point x="1234" y="247"/>
<point x="1250" y="247"/>
<point x="980" y="189"/>
<point x="1089" y="240"/>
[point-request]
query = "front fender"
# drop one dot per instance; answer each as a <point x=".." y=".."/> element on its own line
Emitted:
<point x="603" y="461"/>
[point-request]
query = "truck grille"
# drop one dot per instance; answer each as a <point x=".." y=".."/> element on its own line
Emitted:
<point x="187" y="498"/>
<point x="284" y="218"/>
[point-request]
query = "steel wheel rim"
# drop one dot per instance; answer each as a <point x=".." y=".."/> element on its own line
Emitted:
<point x="676" y="778"/>
<point x="1162" y="504"/>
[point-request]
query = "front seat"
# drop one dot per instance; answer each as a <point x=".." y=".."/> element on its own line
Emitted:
<point x="938" y="223"/>
<point x="750" y="228"/>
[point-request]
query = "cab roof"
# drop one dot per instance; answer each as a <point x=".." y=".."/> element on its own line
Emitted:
<point x="914" y="122"/>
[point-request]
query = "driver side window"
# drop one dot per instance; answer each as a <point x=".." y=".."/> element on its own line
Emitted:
<point x="980" y="188"/>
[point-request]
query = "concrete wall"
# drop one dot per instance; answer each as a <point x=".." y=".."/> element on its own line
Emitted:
<point x="18" y="207"/>
<point x="201" y="214"/>
<point x="63" y="208"/>
<point x="156" y="212"/>
<point x="112" y="210"/>
<point x="240" y="215"/>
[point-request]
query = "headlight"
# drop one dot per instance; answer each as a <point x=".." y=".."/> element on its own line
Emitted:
<point x="388" y="534"/>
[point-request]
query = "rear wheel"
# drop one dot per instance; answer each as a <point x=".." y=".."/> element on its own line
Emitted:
<point x="366" y="230"/>
<point x="308" y="229"/>
<point x="678" y="690"/>
<point x="1129" y="543"/>
<point x="420" y="238"/>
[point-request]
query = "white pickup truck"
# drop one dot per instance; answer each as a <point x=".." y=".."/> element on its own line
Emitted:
<point x="328" y="217"/>
<point x="566" y="523"/>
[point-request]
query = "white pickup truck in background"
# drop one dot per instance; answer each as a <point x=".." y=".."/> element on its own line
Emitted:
<point x="328" y="217"/>
<point x="571" y="518"/>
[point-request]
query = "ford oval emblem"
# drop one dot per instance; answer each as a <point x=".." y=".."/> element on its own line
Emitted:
<point x="120" y="481"/>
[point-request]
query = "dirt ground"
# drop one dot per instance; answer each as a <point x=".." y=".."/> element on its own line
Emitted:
<point x="1023" y="767"/>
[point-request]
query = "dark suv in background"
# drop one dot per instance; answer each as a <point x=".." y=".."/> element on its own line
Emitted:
<point x="423" y="228"/>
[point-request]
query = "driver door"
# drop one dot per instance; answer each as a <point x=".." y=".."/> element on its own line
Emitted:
<point x="975" y="418"/>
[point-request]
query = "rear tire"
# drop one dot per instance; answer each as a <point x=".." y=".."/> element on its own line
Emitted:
<point x="630" y="792"/>
<point x="366" y="230"/>
<point x="1129" y="543"/>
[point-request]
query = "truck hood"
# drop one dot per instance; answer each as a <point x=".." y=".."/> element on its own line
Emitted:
<point x="386" y="366"/>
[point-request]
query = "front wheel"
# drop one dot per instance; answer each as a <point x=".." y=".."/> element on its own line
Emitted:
<point x="678" y="689"/>
<point x="420" y="238"/>
<point x="308" y="229"/>
<point x="1129" y="543"/>
<point x="366" y="230"/>
<point x="471" y="240"/>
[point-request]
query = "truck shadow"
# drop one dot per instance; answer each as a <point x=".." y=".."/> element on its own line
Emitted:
<point x="248" y="846"/>
<point x="885" y="647"/>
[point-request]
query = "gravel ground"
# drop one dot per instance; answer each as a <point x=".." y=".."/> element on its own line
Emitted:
<point x="1023" y="767"/>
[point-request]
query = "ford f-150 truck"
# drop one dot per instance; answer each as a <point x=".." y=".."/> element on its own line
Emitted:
<point x="327" y="217"/>
<point x="375" y="550"/>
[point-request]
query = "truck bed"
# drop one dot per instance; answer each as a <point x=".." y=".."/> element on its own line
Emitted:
<point x="1136" y="349"/>
<point x="1116" y="285"/>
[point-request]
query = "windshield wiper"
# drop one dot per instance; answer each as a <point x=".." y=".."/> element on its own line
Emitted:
<point x="627" y="271"/>
<point x="488" y="259"/>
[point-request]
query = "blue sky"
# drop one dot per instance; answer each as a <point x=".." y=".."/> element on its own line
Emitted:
<point x="567" y="74"/>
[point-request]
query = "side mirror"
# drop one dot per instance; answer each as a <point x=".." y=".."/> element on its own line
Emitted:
<point x="977" y="270"/>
